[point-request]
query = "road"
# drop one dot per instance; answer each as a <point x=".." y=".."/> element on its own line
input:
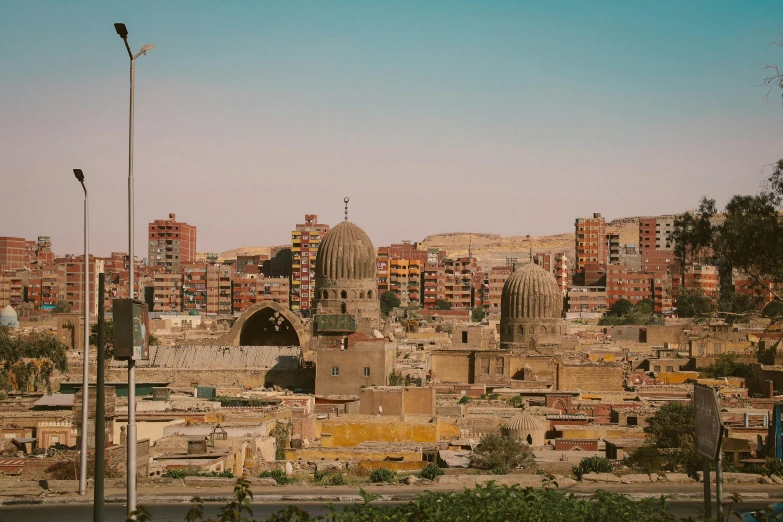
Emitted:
<point x="176" y="512"/>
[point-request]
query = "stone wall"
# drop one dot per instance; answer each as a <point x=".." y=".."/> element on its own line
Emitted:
<point x="590" y="377"/>
<point x="303" y="378"/>
<point x="452" y="366"/>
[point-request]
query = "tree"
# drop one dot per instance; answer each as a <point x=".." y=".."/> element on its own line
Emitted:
<point x="672" y="426"/>
<point x="726" y="365"/>
<point x="29" y="359"/>
<point x="477" y="314"/>
<point x="746" y="236"/>
<point x="62" y="307"/>
<point x="692" y="302"/>
<point x="500" y="454"/>
<point x="442" y="304"/>
<point x="644" y="307"/>
<point x="389" y="301"/>
<point x="621" y="307"/>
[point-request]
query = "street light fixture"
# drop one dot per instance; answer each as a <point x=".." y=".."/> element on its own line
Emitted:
<point x="86" y="349"/>
<point x="122" y="31"/>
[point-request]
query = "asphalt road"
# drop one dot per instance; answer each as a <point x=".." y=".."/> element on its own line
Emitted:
<point x="176" y="512"/>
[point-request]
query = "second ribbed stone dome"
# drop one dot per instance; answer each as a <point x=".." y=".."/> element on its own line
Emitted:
<point x="531" y="308"/>
<point x="345" y="280"/>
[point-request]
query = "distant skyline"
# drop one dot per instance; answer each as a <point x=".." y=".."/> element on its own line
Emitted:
<point x="498" y="117"/>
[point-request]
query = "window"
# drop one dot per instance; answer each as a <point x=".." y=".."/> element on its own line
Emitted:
<point x="344" y="294"/>
<point x="464" y="337"/>
<point x="335" y="371"/>
<point x="670" y="368"/>
<point x="499" y="366"/>
<point x="656" y="368"/>
<point x="485" y="366"/>
<point x="718" y="348"/>
<point x="366" y="371"/>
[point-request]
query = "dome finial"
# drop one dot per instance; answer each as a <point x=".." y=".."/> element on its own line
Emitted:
<point x="346" y="208"/>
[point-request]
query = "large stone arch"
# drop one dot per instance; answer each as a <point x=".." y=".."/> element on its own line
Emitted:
<point x="268" y="324"/>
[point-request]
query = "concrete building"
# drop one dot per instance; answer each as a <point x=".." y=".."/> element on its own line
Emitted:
<point x="361" y="363"/>
<point x="703" y="277"/>
<point x="219" y="289"/>
<point x="73" y="270"/>
<point x="171" y="243"/>
<point x="248" y="290"/>
<point x="495" y="279"/>
<point x="167" y="293"/>
<point x="590" y="242"/>
<point x="12" y="253"/>
<point x="531" y="310"/>
<point x="305" y="240"/>
<point x="587" y="299"/>
<point x="624" y="283"/>
<point x="557" y="265"/>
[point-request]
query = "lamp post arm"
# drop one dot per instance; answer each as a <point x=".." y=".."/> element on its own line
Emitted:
<point x="127" y="46"/>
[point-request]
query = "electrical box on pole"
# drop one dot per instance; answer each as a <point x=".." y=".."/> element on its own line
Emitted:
<point x="131" y="329"/>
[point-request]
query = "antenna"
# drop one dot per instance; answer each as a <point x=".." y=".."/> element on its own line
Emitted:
<point x="346" y="208"/>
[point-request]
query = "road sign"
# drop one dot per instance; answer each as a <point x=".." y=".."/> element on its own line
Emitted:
<point x="709" y="428"/>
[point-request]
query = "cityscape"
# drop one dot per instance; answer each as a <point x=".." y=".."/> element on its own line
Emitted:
<point x="531" y="309"/>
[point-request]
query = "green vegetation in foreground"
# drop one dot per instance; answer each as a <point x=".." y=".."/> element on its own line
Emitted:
<point x="484" y="503"/>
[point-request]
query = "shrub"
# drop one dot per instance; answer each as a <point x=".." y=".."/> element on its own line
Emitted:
<point x="517" y="401"/>
<point x="430" y="471"/>
<point x="329" y="478"/>
<point x="646" y="459"/>
<point x="592" y="465"/>
<point x="464" y="399"/>
<point x="383" y="475"/>
<point x="498" y="454"/>
<point x="278" y="474"/>
<point x="494" y="397"/>
<point x="181" y="473"/>
<point x="773" y="467"/>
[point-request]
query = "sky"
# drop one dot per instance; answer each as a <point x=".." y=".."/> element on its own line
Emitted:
<point x="506" y="117"/>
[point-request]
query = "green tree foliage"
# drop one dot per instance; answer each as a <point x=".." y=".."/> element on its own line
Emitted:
<point x="748" y="239"/>
<point x="30" y="359"/>
<point x="396" y="378"/>
<point x="480" y="504"/>
<point x="383" y="475"/>
<point x="647" y="459"/>
<point x="645" y="306"/>
<point x="62" y="307"/>
<point x="672" y="426"/>
<point x="477" y="314"/>
<point x="180" y="473"/>
<point x="278" y="474"/>
<point x="621" y="307"/>
<point x="281" y="434"/>
<point x="738" y="308"/>
<point x="591" y="465"/>
<point x="499" y="454"/>
<point x="389" y="301"/>
<point x="442" y="304"/>
<point x="727" y="365"/>
<point x="693" y="303"/>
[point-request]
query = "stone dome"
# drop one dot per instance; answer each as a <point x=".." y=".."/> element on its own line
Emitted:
<point x="9" y="317"/>
<point x="346" y="252"/>
<point x="531" y="293"/>
<point x="523" y="422"/>
<point x="527" y="428"/>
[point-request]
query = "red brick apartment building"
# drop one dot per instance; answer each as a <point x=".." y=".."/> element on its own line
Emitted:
<point x="13" y="254"/>
<point x="623" y="283"/>
<point x="495" y="278"/>
<point x="171" y="243"/>
<point x="557" y="265"/>
<point x="304" y="249"/>
<point x="590" y="242"/>
<point x="248" y="290"/>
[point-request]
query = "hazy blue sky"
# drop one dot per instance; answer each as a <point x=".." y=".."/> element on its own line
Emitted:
<point x="505" y="117"/>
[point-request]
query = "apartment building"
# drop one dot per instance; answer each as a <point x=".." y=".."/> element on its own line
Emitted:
<point x="590" y="242"/>
<point x="171" y="243"/>
<point x="219" y="289"/>
<point x="494" y="280"/>
<point x="45" y="286"/>
<point x="194" y="287"/>
<point x="702" y="277"/>
<point x="167" y="292"/>
<point x="73" y="271"/>
<point x="250" y="289"/>
<point x="13" y="253"/>
<point x="304" y="249"/>
<point x="461" y="279"/>
<point x="624" y="283"/>
<point x="655" y="244"/>
<point x="557" y="265"/>
<point x="587" y="299"/>
<point x="434" y="284"/>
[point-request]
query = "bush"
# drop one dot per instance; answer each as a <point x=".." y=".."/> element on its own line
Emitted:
<point x="592" y="465"/>
<point x="517" y="401"/>
<point x="464" y="399"/>
<point x="278" y="474"/>
<point x="329" y="478"/>
<point x="430" y="471"/>
<point x="773" y="467"/>
<point x="181" y="473"/>
<point x="646" y="459"/>
<point x="383" y="475"/>
<point x="498" y="454"/>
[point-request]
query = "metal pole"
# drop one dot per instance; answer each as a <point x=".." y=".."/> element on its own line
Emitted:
<point x="719" y="485"/>
<point x="100" y="406"/>
<point x="707" y="496"/>
<point x="131" y="438"/>
<point x="86" y="357"/>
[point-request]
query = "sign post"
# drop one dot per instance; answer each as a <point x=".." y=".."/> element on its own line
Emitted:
<point x="709" y="432"/>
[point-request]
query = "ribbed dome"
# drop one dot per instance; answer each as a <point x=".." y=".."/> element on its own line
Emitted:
<point x="531" y="293"/>
<point x="524" y="422"/>
<point x="8" y="311"/>
<point x="346" y="252"/>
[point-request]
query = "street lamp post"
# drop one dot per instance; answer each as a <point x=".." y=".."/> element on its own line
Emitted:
<point x="122" y="31"/>
<point x="86" y="349"/>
